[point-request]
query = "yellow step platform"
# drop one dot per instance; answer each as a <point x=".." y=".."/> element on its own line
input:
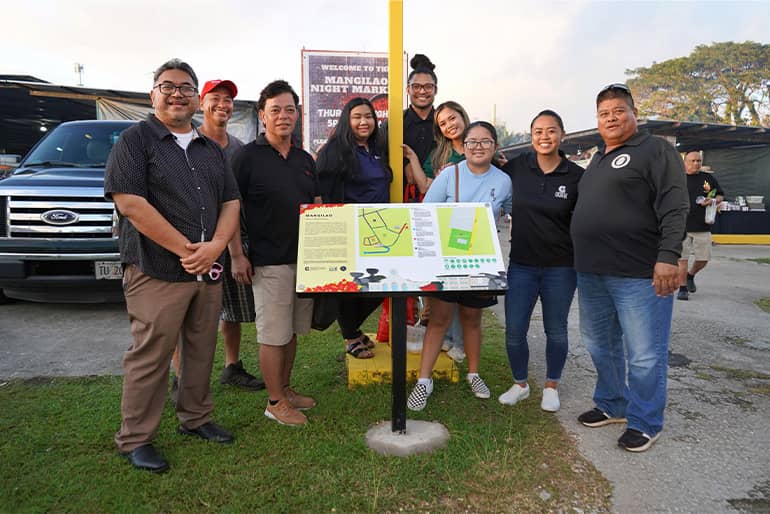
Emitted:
<point x="741" y="239"/>
<point x="378" y="369"/>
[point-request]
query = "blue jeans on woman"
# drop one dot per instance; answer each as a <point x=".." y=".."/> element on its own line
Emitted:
<point x="622" y="320"/>
<point x="555" y="286"/>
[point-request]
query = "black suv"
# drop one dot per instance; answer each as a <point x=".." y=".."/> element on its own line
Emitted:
<point x="58" y="234"/>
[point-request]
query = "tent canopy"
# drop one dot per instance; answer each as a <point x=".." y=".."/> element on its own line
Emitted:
<point x="30" y="106"/>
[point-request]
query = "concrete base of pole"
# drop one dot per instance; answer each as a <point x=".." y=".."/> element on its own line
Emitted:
<point x="420" y="437"/>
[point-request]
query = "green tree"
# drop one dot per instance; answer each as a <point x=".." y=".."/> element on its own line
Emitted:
<point x="508" y="138"/>
<point x="719" y="83"/>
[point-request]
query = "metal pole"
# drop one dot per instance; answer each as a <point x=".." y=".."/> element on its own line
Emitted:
<point x="396" y="154"/>
<point x="398" y="361"/>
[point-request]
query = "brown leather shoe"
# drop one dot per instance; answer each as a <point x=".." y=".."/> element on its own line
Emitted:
<point x="298" y="401"/>
<point x="285" y="414"/>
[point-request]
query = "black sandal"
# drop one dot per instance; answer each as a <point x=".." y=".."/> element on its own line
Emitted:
<point x="359" y="350"/>
<point x="368" y="342"/>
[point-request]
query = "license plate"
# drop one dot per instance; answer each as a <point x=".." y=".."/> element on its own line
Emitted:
<point x="108" y="270"/>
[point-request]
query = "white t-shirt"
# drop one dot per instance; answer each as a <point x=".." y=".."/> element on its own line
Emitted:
<point x="183" y="140"/>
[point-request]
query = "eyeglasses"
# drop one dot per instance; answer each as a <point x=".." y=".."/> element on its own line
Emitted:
<point x="486" y="144"/>
<point x="428" y="88"/>
<point x="622" y="87"/>
<point x="168" y="89"/>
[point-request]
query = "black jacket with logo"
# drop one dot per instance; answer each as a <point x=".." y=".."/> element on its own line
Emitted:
<point x="631" y="209"/>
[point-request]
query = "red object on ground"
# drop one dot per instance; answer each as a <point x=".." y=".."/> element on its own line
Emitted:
<point x="383" y="329"/>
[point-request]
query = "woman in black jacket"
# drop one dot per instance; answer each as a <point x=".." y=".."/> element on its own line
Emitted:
<point x="350" y="170"/>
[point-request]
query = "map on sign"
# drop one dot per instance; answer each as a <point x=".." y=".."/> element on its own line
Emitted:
<point x="399" y="248"/>
<point x="464" y="231"/>
<point x="384" y="231"/>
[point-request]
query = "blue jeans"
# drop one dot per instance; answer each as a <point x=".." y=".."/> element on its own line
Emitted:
<point x="623" y="321"/>
<point x="455" y="331"/>
<point x="555" y="286"/>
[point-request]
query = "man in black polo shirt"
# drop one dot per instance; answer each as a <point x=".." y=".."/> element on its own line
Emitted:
<point x="703" y="189"/>
<point x="179" y="206"/>
<point x="627" y="234"/>
<point x="275" y="178"/>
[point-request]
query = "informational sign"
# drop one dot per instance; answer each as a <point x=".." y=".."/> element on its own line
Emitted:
<point x="330" y="80"/>
<point x="399" y="248"/>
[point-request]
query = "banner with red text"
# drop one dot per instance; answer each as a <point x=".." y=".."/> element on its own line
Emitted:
<point x="329" y="80"/>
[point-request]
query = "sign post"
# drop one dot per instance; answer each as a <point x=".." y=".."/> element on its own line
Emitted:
<point x="395" y="251"/>
<point x="396" y="159"/>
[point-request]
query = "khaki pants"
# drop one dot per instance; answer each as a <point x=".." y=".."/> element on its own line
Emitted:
<point x="162" y="315"/>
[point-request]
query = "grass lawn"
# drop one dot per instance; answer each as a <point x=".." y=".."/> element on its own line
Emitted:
<point x="58" y="456"/>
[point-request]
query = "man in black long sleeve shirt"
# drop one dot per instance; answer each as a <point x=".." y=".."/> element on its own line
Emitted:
<point x="702" y="189"/>
<point x="627" y="233"/>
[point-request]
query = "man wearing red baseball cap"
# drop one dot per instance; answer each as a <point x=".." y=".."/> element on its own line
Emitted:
<point x="216" y="102"/>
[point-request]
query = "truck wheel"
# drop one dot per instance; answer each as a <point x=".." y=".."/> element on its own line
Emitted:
<point x="4" y="299"/>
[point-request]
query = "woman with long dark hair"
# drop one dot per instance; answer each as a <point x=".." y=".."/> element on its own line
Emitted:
<point x="449" y="123"/>
<point x="350" y="170"/>
<point x="544" y="195"/>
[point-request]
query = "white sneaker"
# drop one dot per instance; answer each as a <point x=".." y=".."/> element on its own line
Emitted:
<point x="478" y="387"/>
<point x="550" y="401"/>
<point x="514" y="395"/>
<point x="446" y="345"/>
<point x="456" y="354"/>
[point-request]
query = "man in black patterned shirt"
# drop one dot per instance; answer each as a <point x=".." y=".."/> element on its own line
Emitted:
<point x="179" y="206"/>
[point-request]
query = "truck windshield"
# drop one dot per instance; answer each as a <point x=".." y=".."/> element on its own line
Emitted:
<point x="82" y="145"/>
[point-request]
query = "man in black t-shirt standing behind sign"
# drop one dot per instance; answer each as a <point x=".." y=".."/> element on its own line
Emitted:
<point x="703" y="190"/>
<point x="627" y="234"/>
<point x="418" y="117"/>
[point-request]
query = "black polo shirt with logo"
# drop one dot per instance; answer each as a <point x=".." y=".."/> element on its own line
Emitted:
<point x="631" y="209"/>
<point x="272" y="189"/>
<point x="542" y="210"/>
<point x="187" y="187"/>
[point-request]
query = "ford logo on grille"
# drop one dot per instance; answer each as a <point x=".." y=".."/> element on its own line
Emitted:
<point x="60" y="217"/>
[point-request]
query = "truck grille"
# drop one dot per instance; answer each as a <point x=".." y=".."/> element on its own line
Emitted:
<point x="3" y="216"/>
<point x="26" y="220"/>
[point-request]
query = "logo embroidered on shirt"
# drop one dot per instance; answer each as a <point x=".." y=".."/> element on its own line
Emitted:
<point x="621" y="161"/>
<point x="561" y="193"/>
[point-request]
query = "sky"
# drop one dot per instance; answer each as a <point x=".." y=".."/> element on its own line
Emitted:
<point x="507" y="57"/>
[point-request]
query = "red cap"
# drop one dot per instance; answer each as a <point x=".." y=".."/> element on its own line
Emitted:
<point x="211" y="84"/>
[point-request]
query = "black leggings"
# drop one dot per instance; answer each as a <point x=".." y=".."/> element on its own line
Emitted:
<point x="353" y="312"/>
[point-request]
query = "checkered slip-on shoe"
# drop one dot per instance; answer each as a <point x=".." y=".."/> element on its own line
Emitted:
<point x="479" y="388"/>
<point x="419" y="397"/>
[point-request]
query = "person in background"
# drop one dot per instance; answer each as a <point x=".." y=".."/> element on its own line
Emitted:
<point x="703" y="189"/>
<point x="476" y="180"/>
<point x="545" y="186"/>
<point x="275" y="178"/>
<point x="179" y="206"/>
<point x="450" y="121"/>
<point x="351" y="170"/>
<point x="216" y="101"/>
<point x="627" y="233"/>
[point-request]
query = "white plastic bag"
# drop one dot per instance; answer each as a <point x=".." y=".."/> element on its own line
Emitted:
<point x="711" y="212"/>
